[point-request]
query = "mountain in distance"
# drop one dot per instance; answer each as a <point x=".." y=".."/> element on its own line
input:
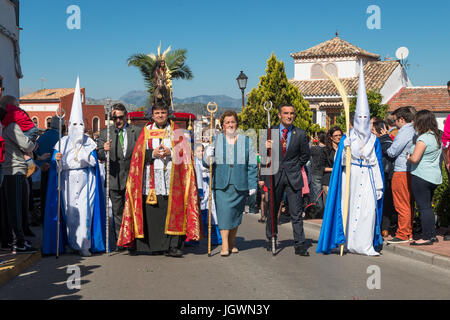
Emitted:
<point x="140" y="97"/>
<point x="131" y="100"/>
<point x="90" y="101"/>
<point x="222" y="101"/>
<point x="137" y="98"/>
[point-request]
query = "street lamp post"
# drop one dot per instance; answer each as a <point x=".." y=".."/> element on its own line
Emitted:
<point x="242" y="83"/>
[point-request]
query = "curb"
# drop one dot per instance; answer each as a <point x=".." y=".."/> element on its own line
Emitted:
<point x="415" y="254"/>
<point x="22" y="262"/>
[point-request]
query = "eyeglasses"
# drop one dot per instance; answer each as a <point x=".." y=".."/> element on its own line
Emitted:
<point x="120" y="117"/>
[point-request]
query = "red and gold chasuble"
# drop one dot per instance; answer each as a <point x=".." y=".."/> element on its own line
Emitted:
<point x="183" y="212"/>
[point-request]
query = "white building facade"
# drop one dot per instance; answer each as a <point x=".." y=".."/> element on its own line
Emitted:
<point x="341" y="58"/>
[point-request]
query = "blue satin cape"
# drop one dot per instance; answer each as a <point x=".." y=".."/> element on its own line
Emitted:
<point x="332" y="232"/>
<point x="98" y="227"/>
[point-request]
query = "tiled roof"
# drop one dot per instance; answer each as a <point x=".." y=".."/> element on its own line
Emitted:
<point x="332" y="48"/>
<point x="435" y="99"/>
<point x="376" y="74"/>
<point x="48" y="94"/>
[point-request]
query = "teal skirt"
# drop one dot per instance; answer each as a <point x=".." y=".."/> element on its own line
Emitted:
<point x="230" y="205"/>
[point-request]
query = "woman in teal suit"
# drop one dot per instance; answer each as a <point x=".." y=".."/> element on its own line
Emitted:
<point x="234" y="176"/>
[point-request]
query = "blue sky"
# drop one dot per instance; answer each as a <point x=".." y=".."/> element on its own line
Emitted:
<point x="222" y="38"/>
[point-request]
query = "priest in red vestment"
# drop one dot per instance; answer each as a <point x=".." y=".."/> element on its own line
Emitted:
<point x="161" y="207"/>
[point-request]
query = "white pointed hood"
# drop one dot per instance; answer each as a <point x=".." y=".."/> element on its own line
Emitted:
<point x="76" y="123"/>
<point x="361" y="136"/>
<point x="361" y="123"/>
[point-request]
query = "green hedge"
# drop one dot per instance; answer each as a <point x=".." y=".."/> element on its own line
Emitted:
<point x="441" y="200"/>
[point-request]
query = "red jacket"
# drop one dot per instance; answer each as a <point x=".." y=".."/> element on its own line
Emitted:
<point x="17" y="115"/>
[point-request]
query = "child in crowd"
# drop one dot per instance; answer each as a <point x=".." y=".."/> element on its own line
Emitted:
<point x="21" y="118"/>
<point x="203" y="190"/>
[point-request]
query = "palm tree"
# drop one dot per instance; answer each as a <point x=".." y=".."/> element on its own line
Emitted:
<point x="174" y="60"/>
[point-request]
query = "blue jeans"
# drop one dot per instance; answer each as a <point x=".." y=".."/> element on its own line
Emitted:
<point x="423" y="194"/>
<point x="316" y="188"/>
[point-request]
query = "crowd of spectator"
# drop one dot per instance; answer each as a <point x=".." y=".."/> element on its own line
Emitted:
<point x="413" y="150"/>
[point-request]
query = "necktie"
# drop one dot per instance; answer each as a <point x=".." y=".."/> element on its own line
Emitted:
<point x="121" y="138"/>
<point x="284" y="141"/>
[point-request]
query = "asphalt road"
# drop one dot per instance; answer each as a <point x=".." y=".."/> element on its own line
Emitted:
<point x="253" y="273"/>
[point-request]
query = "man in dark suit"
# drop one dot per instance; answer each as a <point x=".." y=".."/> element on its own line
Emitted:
<point x="123" y="138"/>
<point x="293" y="153"/>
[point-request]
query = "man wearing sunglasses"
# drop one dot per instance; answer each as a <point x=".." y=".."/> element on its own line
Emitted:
<point x="123" y="137"/>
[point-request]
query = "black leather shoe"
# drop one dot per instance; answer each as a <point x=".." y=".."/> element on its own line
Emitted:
<point x="302" y="251"/>
<point x="435" y="239"/>
<point x="447" y="237"/>
<point x="174" y="252"/>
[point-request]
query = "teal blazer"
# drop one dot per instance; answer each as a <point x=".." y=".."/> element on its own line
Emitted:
<point x="241" y="170"/>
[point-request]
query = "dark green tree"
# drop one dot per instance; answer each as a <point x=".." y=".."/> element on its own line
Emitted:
<point x="274" y="86"/>
<point x="376" y="108"/>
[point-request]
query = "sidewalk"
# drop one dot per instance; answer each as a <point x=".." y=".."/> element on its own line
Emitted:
<point x="437" y="254"/>
<point x="14" y="264"/>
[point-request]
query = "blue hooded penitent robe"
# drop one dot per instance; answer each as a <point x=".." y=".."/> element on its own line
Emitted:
<point x="98" y="226"/>
<point x="332" y="232"/>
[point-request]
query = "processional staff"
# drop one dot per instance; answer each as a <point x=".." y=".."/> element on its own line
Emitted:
<point x="212" y="108"/>
<point x="268" y="106"/>
<point x="108" y="124"/>
<point x="60" y="113"/>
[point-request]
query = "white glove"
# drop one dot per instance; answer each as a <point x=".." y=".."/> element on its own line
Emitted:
<point x="251" y="192"/>
<point x="379" y="194"/>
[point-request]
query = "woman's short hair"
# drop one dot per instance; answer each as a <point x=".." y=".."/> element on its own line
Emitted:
<point x="229" y="113"/>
